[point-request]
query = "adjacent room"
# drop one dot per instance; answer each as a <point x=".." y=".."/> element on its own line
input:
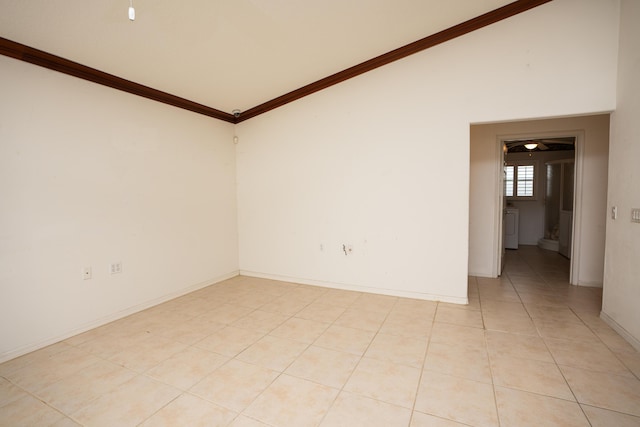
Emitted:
<point x="409" y="213"/>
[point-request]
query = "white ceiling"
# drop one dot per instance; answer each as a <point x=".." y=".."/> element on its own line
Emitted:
<point x="231" y="54"/>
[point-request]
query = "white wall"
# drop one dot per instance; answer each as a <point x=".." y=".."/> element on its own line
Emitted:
<point x="89" y="176"/>
<point x="382" y="161"/>
<point x="593" y="139"/>
<point x="621" y="297"/>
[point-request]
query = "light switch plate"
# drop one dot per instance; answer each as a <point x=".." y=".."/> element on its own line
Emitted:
<point x="635" y="215"/>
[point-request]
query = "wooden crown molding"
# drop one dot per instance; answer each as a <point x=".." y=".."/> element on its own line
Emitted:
<point x="38" y="57"/>
<point x="438" y="38"/>
<point x="56" y="63"/>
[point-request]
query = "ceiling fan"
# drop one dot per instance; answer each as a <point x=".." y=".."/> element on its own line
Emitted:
<point x="542" y="144"/>
<point x="528" y="144"/>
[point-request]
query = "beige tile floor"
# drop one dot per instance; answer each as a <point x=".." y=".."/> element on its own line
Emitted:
<point x="529" y="350"/>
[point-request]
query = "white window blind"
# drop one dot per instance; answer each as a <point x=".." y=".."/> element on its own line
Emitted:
<point x="525" y="181"/>
<point x="508" y="180"/>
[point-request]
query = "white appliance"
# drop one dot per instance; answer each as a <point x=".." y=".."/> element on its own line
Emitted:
<point x="511" y="219"/>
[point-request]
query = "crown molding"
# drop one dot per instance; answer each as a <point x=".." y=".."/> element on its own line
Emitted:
<point x="44" y="59"/>
<point x="47" y="60"/>
<point x="451" y="33"/>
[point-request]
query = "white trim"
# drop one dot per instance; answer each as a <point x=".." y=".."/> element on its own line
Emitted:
<point x="112" y="317"/>
<point x="483" y="275"/>
<point x="590" y="284"/>
<point x="358" y="288"/>
<point x="620" y="330"/>
<point x="498" y="214"/>
<point x="576" y="235"/>
<point x="579" y="136"/>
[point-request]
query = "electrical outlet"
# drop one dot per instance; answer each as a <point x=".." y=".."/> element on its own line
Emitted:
<point x="115" y="267"/>
<point x="86" y="273"/>
<point x="635" y="215"/>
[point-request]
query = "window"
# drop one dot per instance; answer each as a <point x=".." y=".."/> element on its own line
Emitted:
<point x="519" y="180"/>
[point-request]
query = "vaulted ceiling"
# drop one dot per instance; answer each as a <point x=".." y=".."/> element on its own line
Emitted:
<point x="231" y="54"/>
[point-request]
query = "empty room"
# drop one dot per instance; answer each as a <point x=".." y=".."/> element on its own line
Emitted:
<point x="332" y="214"/>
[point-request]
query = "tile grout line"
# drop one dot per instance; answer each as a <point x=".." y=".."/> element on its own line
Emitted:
<point x="280" y="373"/>
<point x="546" y="345"/>
<point x="554" y="358"/>
<point x="377" y="332"/>
<point x="341" y="390"/>
<point x="424" y="362"/>
<point x="493" y="384"/>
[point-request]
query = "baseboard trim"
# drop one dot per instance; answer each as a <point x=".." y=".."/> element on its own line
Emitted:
<point x="113" y="317"/>
<point x="483" y="275"/>
<point x="358" y="288"/>
<point x="589" y="284"/>
<point x="620" y="330"/>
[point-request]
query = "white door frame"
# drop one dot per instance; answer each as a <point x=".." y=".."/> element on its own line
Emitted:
<point x="577" y="196"/>
<point x="499" y="212"/>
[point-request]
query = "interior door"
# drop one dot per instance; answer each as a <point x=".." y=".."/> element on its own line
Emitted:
<point x="566" y="209"/>
<point x="503" y="207"/>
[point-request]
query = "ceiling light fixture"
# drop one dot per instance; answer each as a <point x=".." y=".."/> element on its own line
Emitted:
<point x="530" y="146"/>
<point x="132" y="11"/>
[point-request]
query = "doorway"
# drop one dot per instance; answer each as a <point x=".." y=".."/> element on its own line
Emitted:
<point x="486" y="191"/>
<point x="538" y="201"/>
